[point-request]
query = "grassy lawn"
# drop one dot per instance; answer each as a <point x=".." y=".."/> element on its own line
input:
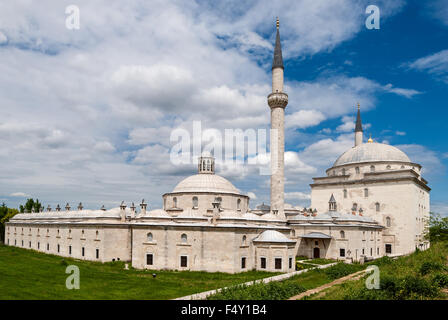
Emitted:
<point x="421" y="275"/>
<point x="285" y="289"/>
<point x="27" y="274"/>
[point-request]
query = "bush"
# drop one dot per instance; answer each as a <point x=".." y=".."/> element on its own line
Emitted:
<point x="429" y="266"/>
<point x="260" y="291"/>
<point x="440" y="279"/>
<point x="341" y="270"/>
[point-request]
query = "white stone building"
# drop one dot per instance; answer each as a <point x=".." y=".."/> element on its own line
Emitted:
<point x="372" y="202"/>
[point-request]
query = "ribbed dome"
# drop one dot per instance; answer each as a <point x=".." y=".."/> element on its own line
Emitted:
<point x="206" y="183"/>
<point x="369" y="152"/>
<point x="272" y="236"/>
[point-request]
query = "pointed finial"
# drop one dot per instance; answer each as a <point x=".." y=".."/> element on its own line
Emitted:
<point x="370" y="139"/>
<point x="278" y="23"/>
<point x="358" y="105"/>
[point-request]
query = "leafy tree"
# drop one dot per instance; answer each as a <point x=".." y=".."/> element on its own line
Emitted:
<point x="31" y="205"/>
<point x="438" y="228"/>
<point x="5" y="214"/>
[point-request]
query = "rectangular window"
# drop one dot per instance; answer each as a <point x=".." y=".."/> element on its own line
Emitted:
<point x="363" y="251"/>
<point x="342" y="252"/>
<point x="290" y="262"/>
<point x="38" y="245"/>
<point x="388" y="248"/>
<point x="22" y="243"/>
<point x="83" y="251"/>
<point x="70" y="250"/>
<point x="183" y="261"/>
<point x="30" y="244"/>
<point x="59" y="248"/>
<point x="278" y="263"/>
<point x="48" y="247"/>
<point x="243" y="263"/>
<point x="371" y="251"/>
<point x="263" y="263"/>
<point x="378" y="250"/>
<point x="149" y="259"/>
<point x="15" y="242"/>
<point x="97" y="254"/>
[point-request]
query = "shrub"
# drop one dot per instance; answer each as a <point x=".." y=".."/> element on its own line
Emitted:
<point x="260" y="291"/>
<point x="340" y="270"/>
<point x="440" y="279"/>
<point x="429" y="266"/>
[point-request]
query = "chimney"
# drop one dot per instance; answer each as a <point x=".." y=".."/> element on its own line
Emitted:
<point x="123" y="211"/>
<point x="143" y="207"/>
<point x="67" y="207"/>
<point x="216" y="209"/>
<point x="48" y="208"/>
<point x="103" y="208"/>
<point x="58" y="208"/>
<point x="80" y="206"/>
<point x="132" y="209"/>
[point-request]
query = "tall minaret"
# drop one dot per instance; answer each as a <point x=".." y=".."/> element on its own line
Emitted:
<point x="358" y="129"/>
<point x="277" y="101"/>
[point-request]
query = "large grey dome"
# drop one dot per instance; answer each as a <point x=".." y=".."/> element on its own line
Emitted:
<point x="371" y="152"/>
<point x="206" y="183"/>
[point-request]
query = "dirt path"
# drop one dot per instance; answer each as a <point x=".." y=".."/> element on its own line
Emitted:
<point x="353" y="276"/>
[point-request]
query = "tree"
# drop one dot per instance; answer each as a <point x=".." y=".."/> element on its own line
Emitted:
<point x="5" y="214"/>
<point x="438" y="228"/>
<point x="31" y="205"/>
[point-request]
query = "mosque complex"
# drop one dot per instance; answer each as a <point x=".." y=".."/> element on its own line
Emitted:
<point x="372" y="202"/>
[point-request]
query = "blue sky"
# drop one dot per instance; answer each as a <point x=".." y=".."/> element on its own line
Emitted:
<point x="86" y="115"/>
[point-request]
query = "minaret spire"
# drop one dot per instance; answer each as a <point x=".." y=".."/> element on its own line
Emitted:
<point x="278" y="59"/>
<point x="358" y="128"/>
<point x="277" y="101"/>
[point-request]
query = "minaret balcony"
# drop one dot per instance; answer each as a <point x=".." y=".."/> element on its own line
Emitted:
<point x="278" y="100"/>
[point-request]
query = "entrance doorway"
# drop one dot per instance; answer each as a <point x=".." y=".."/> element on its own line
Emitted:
<point x="316" y="253"/>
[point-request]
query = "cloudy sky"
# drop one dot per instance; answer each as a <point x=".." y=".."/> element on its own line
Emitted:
<point x="86" y="114"/>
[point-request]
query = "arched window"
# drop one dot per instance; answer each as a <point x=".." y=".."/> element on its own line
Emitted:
<point x="238" y="204"/>
<point x="357" y="169"/>
<point x="244" y="240"/>
<point x="366" y="192"/>
<point x="388" y="167"/>
<point x="149" y="237"/>
<point x="388" y="222"/>
<point x="174" y="202"/>
<point x="372" y="168"/>
<point x="355" y="206"/>
<point x="183" y="238"/>
<point x="342" y="234"/>
<point x="195" y="202"/>
<point x="208" y="165"/>
<point x="343" y="171"/>
<point x="345" y="193"/>
<point x="377" y="207"/>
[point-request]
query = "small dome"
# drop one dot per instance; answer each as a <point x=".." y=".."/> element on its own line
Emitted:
<point x="272" y="236"/>
<point x="206" y="183"/>
<point x="370" y="152"/>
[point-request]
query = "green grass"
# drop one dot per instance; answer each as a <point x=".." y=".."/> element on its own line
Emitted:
<point x="320" y="261"/>
<point x="27" y="274"/>
<point x="285" y="289"/>
<point x="420" y="275"/>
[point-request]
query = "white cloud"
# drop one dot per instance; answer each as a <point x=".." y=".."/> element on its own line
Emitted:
<point x="19" y="194"/>
<point x="303" y="119"/>
<point x="297" y="195"/>
<point x="252" y="195"/>
<point x="435" y="64"/>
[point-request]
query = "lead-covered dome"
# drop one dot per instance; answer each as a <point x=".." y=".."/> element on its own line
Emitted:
<point x="371" y="152"/>
<point x="206" y="183"/>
